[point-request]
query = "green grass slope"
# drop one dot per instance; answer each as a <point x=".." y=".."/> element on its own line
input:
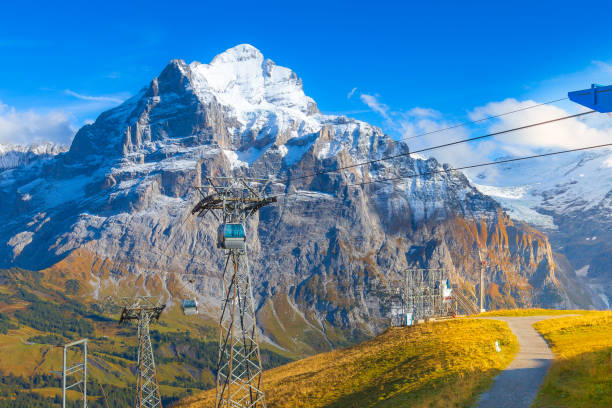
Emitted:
<point x="37" y="313"/>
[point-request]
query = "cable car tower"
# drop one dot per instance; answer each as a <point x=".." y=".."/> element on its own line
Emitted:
<point x="239" y="370"/>
<point x="144" y="309"/>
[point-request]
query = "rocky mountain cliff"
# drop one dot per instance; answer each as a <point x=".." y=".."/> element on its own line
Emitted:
<point x="12" y="156"/>
<point x="114" y="209"/>
<point x="569" y="198"/>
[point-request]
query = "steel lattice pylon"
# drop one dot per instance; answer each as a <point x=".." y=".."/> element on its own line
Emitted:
<point x="418" y="294"/>
<point x="424" y="293"/>
<point x="145" y="310"/>
<point x="239" y="370"/>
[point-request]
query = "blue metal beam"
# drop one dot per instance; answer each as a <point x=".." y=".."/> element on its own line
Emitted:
<point x="597" y="97"/>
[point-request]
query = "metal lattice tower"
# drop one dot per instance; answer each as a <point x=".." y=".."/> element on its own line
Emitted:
<point x="423" y="293"/>
<point x="77" y="371"/>
<point x="397" y="305"/>
<point x="239" y="369"/>
<point x="144" y="310"/>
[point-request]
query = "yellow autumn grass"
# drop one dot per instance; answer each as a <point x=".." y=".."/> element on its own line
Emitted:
<point x="530" y="312"/>
<point x="441" y="364"/>
<point x="581" y="375"/>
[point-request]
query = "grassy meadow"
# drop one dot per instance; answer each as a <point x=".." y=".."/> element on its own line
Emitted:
<point x="529" y="312"/>
<point x="437" y="364"/>
<point x="443" y="364"/>
<point x="36" y="315"/>
<point x="581" y="375"/>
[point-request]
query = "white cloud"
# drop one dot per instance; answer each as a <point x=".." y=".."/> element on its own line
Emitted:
<point x="572" y="133"/>
<point x="418" y="121"/>
<point x="603" y="66"/>
<point x="27" y="127"/>
<point x="424" y="128"/>
<point x="374" y="104"/>
<point x="350" y="94"/>
<point x="592" y="129"/>
<point x="104" y="98"/>
<point x="568" y="133"/>
<point x="424" y="112"/>
<point x="58" y="125"/>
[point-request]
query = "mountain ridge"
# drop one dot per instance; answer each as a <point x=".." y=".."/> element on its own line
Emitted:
<point x="121" y="197"/>
<point x="570" y="199"/>
<point x="12" y="156"/>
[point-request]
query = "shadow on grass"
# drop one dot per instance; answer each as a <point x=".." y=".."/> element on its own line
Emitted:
<point x="450" y="391"/>
<point x="584" y="380"/>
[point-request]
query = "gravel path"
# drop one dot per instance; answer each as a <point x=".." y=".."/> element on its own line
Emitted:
<point x="518" y="385"/>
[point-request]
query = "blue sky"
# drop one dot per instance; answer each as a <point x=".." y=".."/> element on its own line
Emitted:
<point x="63" y="64"/>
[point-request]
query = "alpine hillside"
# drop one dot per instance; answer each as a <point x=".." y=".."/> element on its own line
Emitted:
<point x="114" y="210"/>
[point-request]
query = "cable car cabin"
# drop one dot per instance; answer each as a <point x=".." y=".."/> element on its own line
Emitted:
<point x="447" y="291"/>
<point x="231" y="236"/>
<point x="190" y="307"/>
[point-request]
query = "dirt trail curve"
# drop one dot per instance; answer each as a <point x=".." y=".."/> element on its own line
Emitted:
<point x="518" y="385"/>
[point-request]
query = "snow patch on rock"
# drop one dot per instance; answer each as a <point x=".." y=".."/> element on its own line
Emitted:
<point x="235" y="162"/>
<point x="583" y="272"/>
<point x="12" y="156"/>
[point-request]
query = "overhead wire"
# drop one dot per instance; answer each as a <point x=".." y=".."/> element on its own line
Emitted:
<point x="427" y="149"/>
<point x="451" y="169"/>
<point x="491" y="163"/>
<point x="163" y="253"/>
<point x="469" y="122"/>
<point x="433" y="172"/>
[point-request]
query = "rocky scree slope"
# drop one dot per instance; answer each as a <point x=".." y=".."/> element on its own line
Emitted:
<point x="114" y="209"/>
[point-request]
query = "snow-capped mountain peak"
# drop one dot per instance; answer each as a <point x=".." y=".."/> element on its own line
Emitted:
<point x="240" y="52"/>
<point x="240" y="101"/>
<point x="242" y="78"/>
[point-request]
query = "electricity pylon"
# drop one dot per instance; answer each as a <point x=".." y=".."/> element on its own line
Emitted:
<point x="483" y="263"/>
<point x="144" y="309"/>
<point x="239" y="370"/>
